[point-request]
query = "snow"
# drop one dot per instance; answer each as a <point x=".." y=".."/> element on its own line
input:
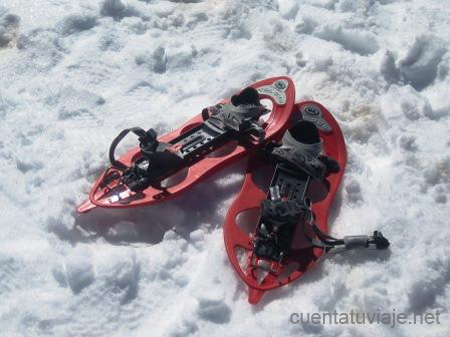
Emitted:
<point x="74" y="74"/>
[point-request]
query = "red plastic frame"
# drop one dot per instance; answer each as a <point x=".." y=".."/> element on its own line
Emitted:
<point x="275" y="126"/>
<point x="251" y="196"/>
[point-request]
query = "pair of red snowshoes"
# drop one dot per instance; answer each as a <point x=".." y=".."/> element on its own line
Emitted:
<point x="276" y="229"/>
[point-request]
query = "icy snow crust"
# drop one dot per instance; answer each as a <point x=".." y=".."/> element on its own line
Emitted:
<point x="74" y="74"/>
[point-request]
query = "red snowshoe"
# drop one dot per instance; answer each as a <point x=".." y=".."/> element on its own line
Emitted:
<point x="163" y="167"/>
<point x="273" y="237"/>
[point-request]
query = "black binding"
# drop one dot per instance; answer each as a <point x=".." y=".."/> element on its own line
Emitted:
<point x="222" y="123"/>
<point x="298" y="160"/>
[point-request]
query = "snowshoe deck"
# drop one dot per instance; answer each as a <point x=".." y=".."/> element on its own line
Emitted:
<point x="194" y="151"/>
<point x="263" y="267"/>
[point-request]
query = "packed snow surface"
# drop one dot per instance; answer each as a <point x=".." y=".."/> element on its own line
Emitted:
<point x="75" y="73"/>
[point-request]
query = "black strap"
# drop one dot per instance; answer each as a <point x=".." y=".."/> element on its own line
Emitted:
<point x="239" y="120"/>
<point x="147" y="142"/>
<point x="331" y="244"/>
<point x="301" y="160"/>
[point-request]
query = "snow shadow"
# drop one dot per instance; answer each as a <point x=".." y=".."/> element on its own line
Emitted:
<point x="199" y="206"/>
<point x="419" y="66"/>
<point x="318" y="272"/>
